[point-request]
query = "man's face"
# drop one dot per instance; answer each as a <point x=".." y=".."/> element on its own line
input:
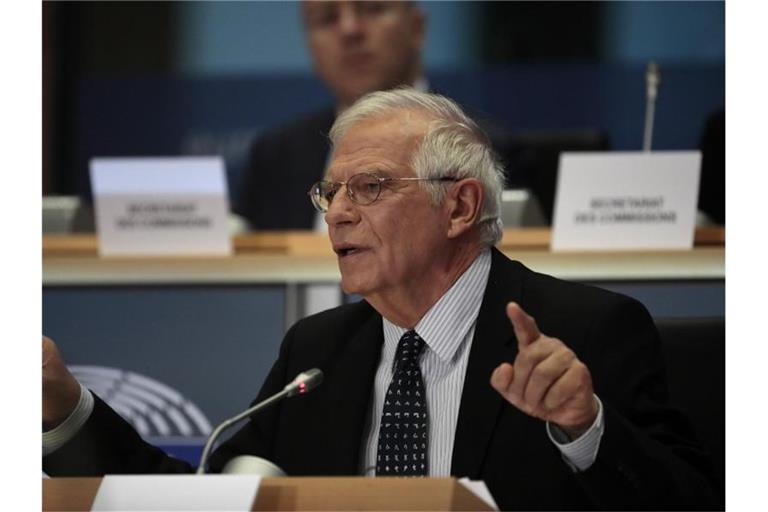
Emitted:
<point x="397" y="242"/>
<point x="361" y="47"/>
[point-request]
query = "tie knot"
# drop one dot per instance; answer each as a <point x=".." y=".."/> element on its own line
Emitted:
<point x="409" y="349"/>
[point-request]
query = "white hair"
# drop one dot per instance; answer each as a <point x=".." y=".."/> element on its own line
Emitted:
<point x="453" y="146"/>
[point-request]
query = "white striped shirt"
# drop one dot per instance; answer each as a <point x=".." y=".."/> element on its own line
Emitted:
<point x="447" y="329"/>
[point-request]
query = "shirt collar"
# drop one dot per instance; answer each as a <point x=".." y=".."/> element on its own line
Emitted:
<point x="447" y="322"/>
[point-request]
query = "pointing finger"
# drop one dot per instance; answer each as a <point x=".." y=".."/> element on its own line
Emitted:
<point x="526" y="330"/>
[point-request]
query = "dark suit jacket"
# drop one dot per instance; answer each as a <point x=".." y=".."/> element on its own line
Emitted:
<point x="285" y="162"/>
<point x="645" y="459"/>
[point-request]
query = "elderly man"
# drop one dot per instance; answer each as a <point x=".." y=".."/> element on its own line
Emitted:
<point x="458" y="361"/>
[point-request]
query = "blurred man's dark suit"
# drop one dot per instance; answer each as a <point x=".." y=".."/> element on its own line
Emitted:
<point x="645" y="460"/>
<point x="283" y="164"/>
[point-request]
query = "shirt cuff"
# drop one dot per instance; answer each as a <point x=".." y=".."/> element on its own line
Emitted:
<point x="59" y="436"/>
<point x="580" y="453"/>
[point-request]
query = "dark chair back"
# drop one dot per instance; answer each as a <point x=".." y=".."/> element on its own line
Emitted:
<point x="534" y="158"/>
<point x="694" y="350"/>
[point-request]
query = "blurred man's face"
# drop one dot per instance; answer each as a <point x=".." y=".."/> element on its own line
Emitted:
<point x="360" y="47"/>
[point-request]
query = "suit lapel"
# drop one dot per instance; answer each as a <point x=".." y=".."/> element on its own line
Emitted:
<point x="492" y="344"/>
<point x="353" y="375"/>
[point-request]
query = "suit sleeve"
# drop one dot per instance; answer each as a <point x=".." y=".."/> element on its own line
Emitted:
<point x="108" y="444"/>
<point x="646" y="459"/>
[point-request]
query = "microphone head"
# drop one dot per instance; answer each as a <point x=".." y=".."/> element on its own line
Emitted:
<point x="652" y="74"/>
<point x="305" y="382"/>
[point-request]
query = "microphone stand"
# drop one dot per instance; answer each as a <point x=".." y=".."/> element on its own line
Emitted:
<point x="231" y="421"/>
<point x="652" y="81"/>
<point x="300" y="385"/>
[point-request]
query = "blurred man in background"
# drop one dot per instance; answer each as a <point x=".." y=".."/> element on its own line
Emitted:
<point x="359" y="47"/>
<point x="356" y="47"/>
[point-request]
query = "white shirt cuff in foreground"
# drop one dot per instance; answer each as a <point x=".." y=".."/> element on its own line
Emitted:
<point x="580" y="453"/>
<point x="58" y="437"/>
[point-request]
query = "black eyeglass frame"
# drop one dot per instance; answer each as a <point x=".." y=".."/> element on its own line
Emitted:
<point x="314" y="191"/>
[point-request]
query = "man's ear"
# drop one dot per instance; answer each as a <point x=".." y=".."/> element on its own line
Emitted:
<point x="465" y="200"/>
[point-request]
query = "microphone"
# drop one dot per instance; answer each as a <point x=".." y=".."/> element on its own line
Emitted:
<point x="303" y="383"/>
<point x="652" y="82"/>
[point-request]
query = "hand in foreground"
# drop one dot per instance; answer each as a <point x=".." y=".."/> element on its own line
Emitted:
<point x="61" y="391"/>
<point x="547" y="380"/>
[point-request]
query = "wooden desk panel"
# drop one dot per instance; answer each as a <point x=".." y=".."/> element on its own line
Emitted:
<point x="309" y="243"/>
<point x="320" y="493"/>
<point x="301" y="257"/>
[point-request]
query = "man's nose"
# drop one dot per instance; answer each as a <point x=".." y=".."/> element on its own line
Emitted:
<point x="350" y="21"/>
<point x="342" y="209"/>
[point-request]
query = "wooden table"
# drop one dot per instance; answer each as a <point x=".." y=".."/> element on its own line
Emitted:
<point x="304" y="493"/>
<point x="306" y="257"/>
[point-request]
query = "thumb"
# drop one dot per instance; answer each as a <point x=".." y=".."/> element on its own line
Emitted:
<point x="49" y="350"/>
<point x="502" y="377"/>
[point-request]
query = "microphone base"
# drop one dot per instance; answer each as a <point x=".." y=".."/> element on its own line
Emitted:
<point x="252" y="465"/>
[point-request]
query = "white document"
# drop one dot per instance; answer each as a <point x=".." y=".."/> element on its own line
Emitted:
<point x="176" y="492"/>
<point x="161" y="206"/>
<point x="479" y="489"/>
<point x="626" y="200"/>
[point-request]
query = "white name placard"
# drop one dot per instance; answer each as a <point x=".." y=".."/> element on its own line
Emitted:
<point x="161" y="206"/>
<point x="626" y="200"/>
<point x="176" y="492"/>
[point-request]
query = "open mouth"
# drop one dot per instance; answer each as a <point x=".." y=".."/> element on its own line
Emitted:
<point x="347" y="250"/>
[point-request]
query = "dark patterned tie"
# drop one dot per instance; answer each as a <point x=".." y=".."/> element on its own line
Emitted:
<point x="403" y="433"/>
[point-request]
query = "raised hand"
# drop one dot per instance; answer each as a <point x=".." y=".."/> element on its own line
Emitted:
<point x="61" y="391"/>
<point x="546" y="380"/>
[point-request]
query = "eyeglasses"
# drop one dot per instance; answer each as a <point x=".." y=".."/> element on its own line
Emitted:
<point x="363" y="189"/>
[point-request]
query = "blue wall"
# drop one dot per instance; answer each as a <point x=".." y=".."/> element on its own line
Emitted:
<point x="668" y="32"/>
<point x="242" y="37"/>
